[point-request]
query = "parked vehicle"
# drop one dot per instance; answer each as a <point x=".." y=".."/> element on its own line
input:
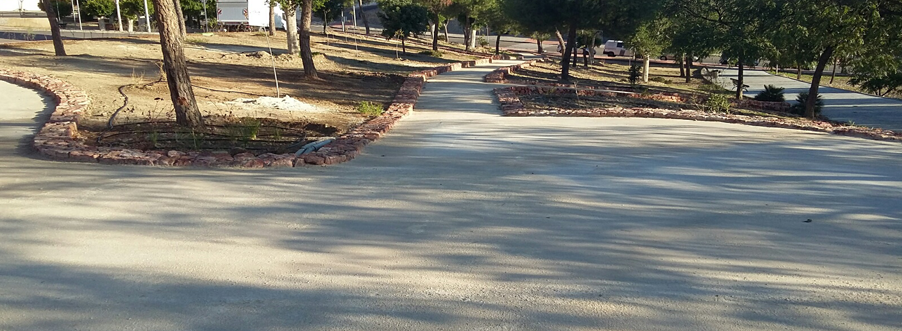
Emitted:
<point x="726" y="60"/>
<point x="672" y="57"/>
<point x="616" y="48"/>
<point x="244" y="14"/>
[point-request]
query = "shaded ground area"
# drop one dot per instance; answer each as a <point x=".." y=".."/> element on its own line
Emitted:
<point x="662" y="78"/>
<point x="462" y="219"/>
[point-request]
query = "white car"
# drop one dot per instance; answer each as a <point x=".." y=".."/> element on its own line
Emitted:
<point x="616" y="48"/>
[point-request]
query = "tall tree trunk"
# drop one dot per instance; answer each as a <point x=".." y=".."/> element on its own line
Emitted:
<point x="366" y="21"/>
<point x="404" y="45"/>
<point x="740" y="81"/>
<point x="798" y="71"/>
<point x="688" y="68"/>
<point x="467" y="27"/>
<point x="833" y="75"/>
<point x="272" y="18"/>
<point x="540" y="47"/>
<point x="306" y="52"/>
<point x="575" y="55"/>
<point x="498" y="44"/>
<point x="435" y="19"/>
<point x="58" y="47"/>
<point x="472" y="37"/>
<point x="183" y="31"/>
<point x="586" y="58"/>
<point x="131" y="24"/>
<point x="175" y="66"/>
<point x="592" y="48"/>
<point x="291" y="28"/>
<point x="445" y="26"/>
<point x="816" y="81"/>
<point x="645" y="68"/>
<point x="681" y="61"/>
<point x="325" y="24"/>
<point x="571" y="40"/>
<point x="560" y="40"/>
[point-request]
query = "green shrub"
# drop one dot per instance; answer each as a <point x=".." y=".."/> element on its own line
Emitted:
<point x="799" y="107"/>
<point x="195" y="41"/>
<point x="482" y="41"/>
<point x="717" y="103"/>
<point x="369" y="108"/>
<point x="771" y="93"/>
<point x="660" y="79"/>
<point x="635" y="73"/>
<point x="432" y="53"/>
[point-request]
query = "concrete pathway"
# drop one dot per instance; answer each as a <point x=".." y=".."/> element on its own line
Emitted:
<point x="840" y="105"/>
<point x="464" y="220"/>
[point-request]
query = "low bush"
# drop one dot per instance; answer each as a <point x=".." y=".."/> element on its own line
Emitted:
<point x="771" y="93"/>
<point x="432" y="53"/>
<point x="369" y="108"/>
<point x="799" y="107"/>
<point x="717" y="103"/>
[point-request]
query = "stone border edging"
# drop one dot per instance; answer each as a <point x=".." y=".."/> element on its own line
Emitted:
<point x="58" y="137"/>
<point x="512" y="106"/>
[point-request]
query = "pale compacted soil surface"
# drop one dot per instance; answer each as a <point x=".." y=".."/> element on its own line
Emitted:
<point x="465" y="220"/>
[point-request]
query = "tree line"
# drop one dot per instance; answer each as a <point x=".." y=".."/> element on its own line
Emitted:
<point x="863" y="34"/>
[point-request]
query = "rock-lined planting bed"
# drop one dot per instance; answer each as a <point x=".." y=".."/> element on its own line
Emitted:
<point x="509" y="97"/>
<point x="58" y="139"/>
<point x="501" y="75"/>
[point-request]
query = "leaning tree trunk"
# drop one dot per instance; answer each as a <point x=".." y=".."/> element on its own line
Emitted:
<point x="366" y="21"/>
<point x="436" y="21"/>
<point x="291" y="28"/>
<point x="183" y="31"/>
<point x="58" y="47"/>
<point x="816" y="81"/>
<point x="272" y="18"/>
<point x="565" y="63"/>
<point x="306" y="52"/>
<point x="467" y="28"/>
<point x="498" y="44"/>
<point x="560" y="39"/>
<point x="175" y="66"/>
<point x="445" y="26"/>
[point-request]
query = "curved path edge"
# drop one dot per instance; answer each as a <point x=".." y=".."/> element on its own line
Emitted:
<point x="58" y="137"/>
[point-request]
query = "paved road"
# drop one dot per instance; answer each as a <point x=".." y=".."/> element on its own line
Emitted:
<point x="840" y="105"/>
<point x="463" y="220"/>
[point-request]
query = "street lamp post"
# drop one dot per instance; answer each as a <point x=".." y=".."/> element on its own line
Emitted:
<point x="119" y="15"/>
<point x="146" y="16"/>
<point x="205" y="15"/>
<point x="78" y="5"/>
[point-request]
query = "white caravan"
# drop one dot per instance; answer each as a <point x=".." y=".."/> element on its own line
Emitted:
<point x="247" y="13"/>
<point x="616" y="48"/>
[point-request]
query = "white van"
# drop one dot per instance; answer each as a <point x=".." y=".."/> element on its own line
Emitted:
<point x="616" y="48"/>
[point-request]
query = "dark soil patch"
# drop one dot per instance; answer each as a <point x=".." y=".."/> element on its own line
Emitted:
<point x="239" y="135"/>
<point x="538" y="101"/>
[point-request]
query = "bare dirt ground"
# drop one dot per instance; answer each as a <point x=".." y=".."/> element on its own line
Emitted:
<point x="226" y="67"/>
<point x="608" y="75"/>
